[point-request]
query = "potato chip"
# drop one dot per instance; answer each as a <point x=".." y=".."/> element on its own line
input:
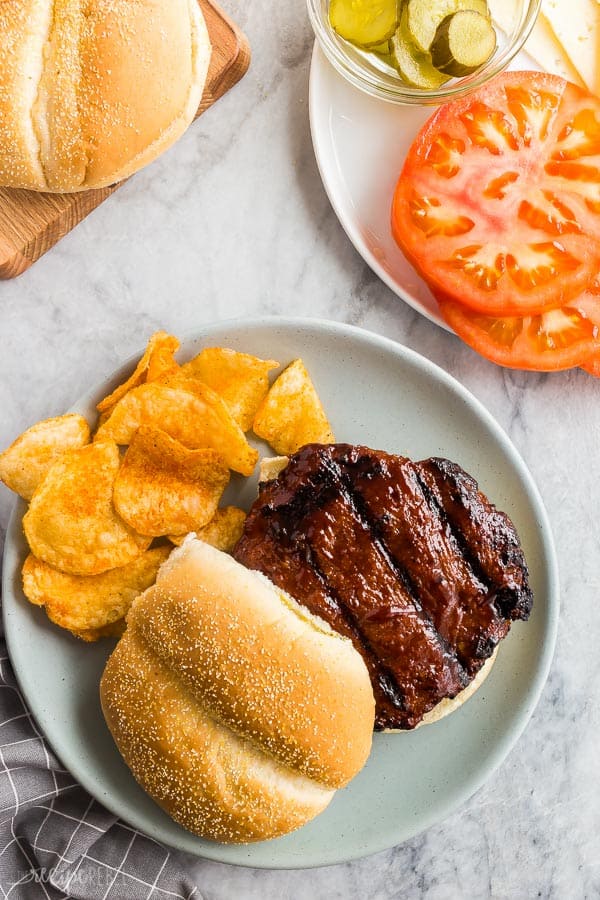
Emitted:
<point x="115" y="629"/>
<point x="25" y="463"/>
<point x="90" y="606"/>
<point x="241" y="380"/>
<point x="103" y="417"/>
<point x="164" y="487"/>
<point x="223" y="531"/>
<point x="190" y="412"/>
<point x="157" y="359"/>
<point x="162" y="362"/>
<point x="72" y="524"/>
<point x="292" y="414"/>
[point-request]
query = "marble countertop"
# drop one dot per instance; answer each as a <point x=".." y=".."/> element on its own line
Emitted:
<point x="234" y="221"/>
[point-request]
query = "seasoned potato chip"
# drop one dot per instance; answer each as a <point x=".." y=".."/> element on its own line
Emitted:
<point x="103" y="417"/>
<point x="162" y="361"/>
<point x="164" y="487"/>
<point x="71" y="522"/>
<point x="157" y="359"/>
<point x="241" y="380"/>
<point x="291" y="414"/>
<point x="179" y="380"/>
<point x="115" y="629"/>
<point x="193" y="414"/>
<point x="223" y="531"/>
<point x="90" y="606"/>
<point x="25" y="463"/>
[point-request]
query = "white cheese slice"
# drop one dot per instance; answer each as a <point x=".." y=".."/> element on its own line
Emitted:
<point x="542" y="45"/>
<point x="543" y="42"/>
<point x="576" y="24"/>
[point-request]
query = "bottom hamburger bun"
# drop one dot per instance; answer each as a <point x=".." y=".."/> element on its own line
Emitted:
<point x="270" y="468"/>
<point x="449" y="705"/>
<point x="235" y="709"/>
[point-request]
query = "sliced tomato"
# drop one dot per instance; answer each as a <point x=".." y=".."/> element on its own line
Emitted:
<point x="498" y="203"/>
<point x="592" y="366"/>
<point x="546" y="342"/>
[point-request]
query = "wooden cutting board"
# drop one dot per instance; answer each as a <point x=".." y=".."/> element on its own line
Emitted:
<point x="31" y="222"/>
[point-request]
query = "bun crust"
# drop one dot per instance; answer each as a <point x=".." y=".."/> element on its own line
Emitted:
<point x="92" y="90"/>
<point x="207" y="778"/>
<point x="449" y="705"/>
<point x="24" y="29"/>
<point x="235" y="709"/>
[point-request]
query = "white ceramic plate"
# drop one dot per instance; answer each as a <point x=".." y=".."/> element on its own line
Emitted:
<point x="386" y="396"/>
<point x="360" y="144"/>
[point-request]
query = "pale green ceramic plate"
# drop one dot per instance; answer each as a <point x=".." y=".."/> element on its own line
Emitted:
<point x="385" y="396"/>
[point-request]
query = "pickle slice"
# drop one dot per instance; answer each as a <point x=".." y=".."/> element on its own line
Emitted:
<point x="425" y="16"/>
<point x="382" y="49"/>
<point x="463" y="42"/>
<point x="364" y="22"/>
<point x="414" y="67"/>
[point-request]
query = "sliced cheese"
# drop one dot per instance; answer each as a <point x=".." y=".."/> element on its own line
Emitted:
<point x="542" y="45"/>
<point x="546" y="49"/>
<point x="576" y="24"/>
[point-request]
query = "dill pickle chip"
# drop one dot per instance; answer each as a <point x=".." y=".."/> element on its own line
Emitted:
<point x="425" y="16"/>
<point x="414" y="68"/>
<point x="364" y="22"/>
<point x="382" y="49"/>
<point x="463" y="43"/>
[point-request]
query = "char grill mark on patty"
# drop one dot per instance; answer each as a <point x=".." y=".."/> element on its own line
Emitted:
<point x="488" y="537"/>
<point x="420" y="540"/>
<point x="306" y="521"/>
<point x="288" y="561"/>
<point x="357" y="567"/>
<point x="407" y="559"/>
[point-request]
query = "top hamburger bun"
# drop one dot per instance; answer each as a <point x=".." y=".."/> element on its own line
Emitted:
<point x="235" y="709"/>
<point x="92" y="90"/>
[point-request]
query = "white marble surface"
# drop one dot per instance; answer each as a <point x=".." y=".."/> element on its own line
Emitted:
<point x="234" y="221"/>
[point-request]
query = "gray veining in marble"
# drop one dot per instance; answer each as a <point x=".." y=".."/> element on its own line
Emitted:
<point x="233" y="221"/>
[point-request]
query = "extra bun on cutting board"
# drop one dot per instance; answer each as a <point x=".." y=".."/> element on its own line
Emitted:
<point x="235" y="709"/>
<point x="92" y="90"/>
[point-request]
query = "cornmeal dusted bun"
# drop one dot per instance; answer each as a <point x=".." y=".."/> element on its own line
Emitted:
<point x="235" y="709"/>
<point x="92" y="90"/>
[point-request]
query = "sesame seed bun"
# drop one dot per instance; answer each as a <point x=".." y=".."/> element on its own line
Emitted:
<point x="92" y="90"/>
<point x="451" y="704"/>
<point x="236" y="710"/>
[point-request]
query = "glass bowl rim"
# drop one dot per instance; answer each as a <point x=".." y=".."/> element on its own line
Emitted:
<point x="403" y="93"/>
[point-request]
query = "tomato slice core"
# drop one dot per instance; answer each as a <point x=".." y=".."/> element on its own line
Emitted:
<point x="498" y="202"/>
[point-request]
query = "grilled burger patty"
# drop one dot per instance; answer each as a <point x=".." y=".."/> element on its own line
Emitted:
<point x="407" y="559"/>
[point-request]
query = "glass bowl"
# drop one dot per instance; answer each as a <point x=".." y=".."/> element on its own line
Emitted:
<point x="371" y="74"/>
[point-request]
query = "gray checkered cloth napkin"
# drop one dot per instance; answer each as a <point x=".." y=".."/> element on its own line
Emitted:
<point x="55" y="840"/>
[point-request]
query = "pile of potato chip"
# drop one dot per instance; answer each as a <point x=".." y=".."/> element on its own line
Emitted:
<point x="105" y="509"/>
